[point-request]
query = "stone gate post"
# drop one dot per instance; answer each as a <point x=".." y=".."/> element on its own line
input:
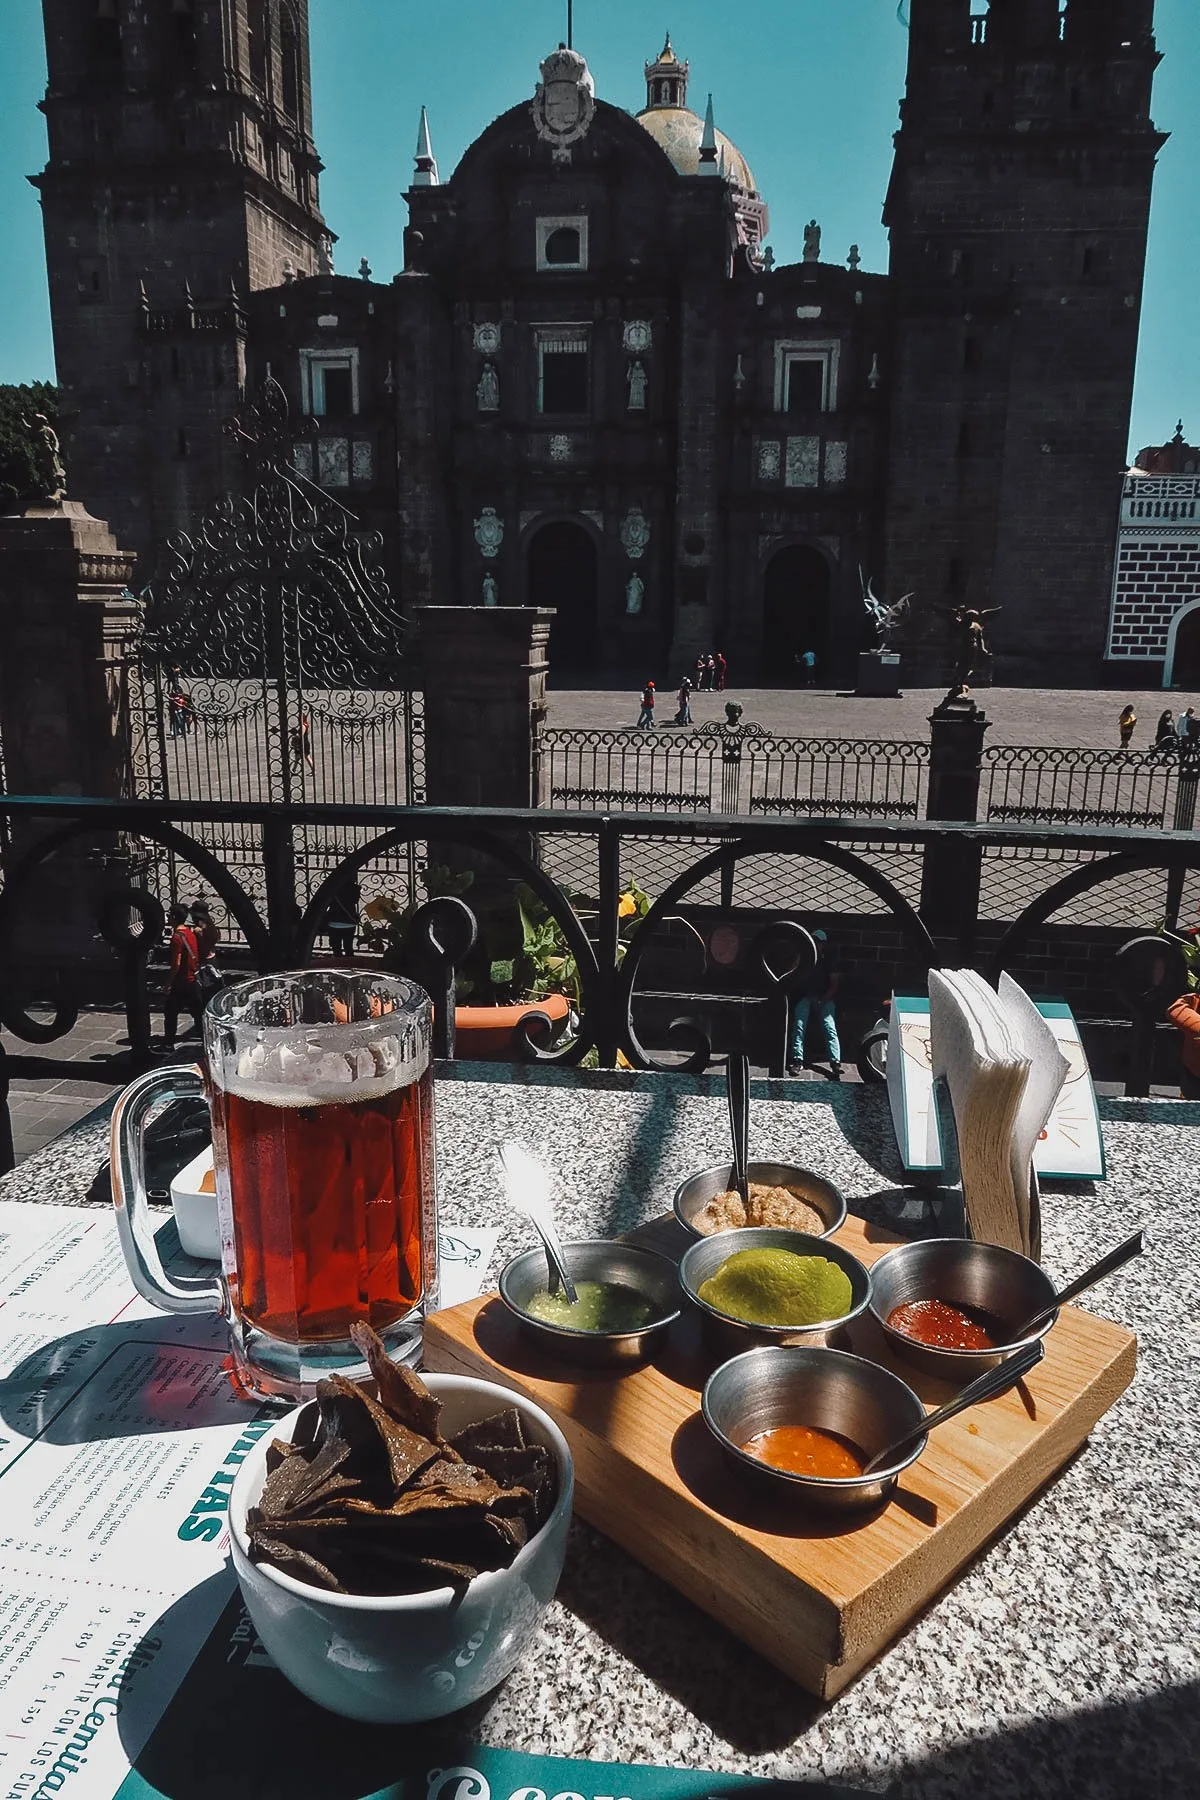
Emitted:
<point x="950" y="872"/>
<point x="64" y="617"/>
<point x="484" y="670"/>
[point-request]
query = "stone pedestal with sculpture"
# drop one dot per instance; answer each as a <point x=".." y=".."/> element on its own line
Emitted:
<point x="65" y="617"/>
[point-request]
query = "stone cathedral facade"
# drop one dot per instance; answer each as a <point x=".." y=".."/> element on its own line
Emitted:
<point x="589" y="385"/>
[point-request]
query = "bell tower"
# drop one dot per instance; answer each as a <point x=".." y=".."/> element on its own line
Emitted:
<point x="1018" y="212"/>
<point x="666" y="79"/>
<point x="182" y="174"/>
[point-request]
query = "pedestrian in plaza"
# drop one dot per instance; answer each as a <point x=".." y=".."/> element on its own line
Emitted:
<point x="183" y="994"/>
<point x="341" y="921"/>
<point x="1164" y="737"/>
<point x="818" y="1001"/>
<point x="1187" y="725"/>
<point x="1125" y="725"/>
<point x="722" y="670"/>
<point x="302" y="744"/>
<point x="710" y="672"/>
<point x="684" y="697"/>
<point x="208" y="975"/>
<point x="808" y="668"/>
<point x="700" y="673"/>
<point x="646" y="716"/>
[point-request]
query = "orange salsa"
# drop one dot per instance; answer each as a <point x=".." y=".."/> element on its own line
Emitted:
<point x="803" y="1450"/>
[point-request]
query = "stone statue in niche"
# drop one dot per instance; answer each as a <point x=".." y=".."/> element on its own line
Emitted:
<point x="487" y="390"/>
<point x="635" y="595"/>
<point x="491" y="593"/>
<point x="636" y="381"/>
<point x="812" y="241"/>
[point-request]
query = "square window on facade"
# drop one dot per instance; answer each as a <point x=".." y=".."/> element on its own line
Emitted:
<point x="563" y="374"/>
<point x="805" y="385"/>
<point x="806" y="376"/>
<point x="562" y="243"/>
<point x="331" y="384"/>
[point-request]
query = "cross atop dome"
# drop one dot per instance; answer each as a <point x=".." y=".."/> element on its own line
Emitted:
<point x="666" y="79"/>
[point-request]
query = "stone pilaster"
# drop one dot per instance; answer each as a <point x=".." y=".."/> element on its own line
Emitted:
<point x="484" y="672"/>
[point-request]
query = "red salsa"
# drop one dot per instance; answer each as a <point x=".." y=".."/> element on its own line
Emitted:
<point x="946" y="1327"/>
<point x="803" y="1450"/>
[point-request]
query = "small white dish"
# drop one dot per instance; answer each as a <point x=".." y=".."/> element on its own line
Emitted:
<point x="401" y="1659"/>
<point x="194" y="1198"/>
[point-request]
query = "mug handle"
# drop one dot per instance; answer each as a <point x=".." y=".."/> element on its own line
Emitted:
<point x="129" y="1193"/>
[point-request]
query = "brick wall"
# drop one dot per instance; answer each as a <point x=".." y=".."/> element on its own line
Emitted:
<point x="1156" y="576"/>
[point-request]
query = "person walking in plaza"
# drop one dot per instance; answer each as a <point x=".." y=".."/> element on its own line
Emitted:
<point x="646" y="716"/>
<point x="183" y="994"/>
<point x="302" y="744"/>
<point x="1125" y="725"/>
<point x="819" y="1001"/>
<point x="341" y="921"/>
<point x="808" y="665"/>
<point x="1185" y="725"/>
<point x="684" y="697"/>
<point x="722" y="671"/>
<point x="1164" y="737"/>
<point x="700" y="682"/>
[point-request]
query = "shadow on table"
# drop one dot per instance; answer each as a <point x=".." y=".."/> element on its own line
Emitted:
<point x="235" y="1727"/>
<point x="128" y="1379"/>
<point x="731" y="1689"/>
<point x="1148" y="1745"/>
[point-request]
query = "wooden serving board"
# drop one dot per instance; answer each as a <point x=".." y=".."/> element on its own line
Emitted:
<point x="817" y="1595"/>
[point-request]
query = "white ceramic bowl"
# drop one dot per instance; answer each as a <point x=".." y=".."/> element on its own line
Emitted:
<point x="399" y="1660"/>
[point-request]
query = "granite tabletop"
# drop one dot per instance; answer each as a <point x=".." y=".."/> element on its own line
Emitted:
<point x="1065" y="1660"/>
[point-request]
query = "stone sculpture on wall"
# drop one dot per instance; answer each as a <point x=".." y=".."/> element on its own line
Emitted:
<point x="489" y="531"/>
<point x="635" y="533"/>
<point x="635" y="595"/>
<point x="487" y="389"/>
<point x="48" y="462"/>
<point x="491" y="593"/>
<point x="636" y="380"/>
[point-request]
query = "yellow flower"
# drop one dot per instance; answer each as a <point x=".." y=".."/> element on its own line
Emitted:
<point x="627" y="907"/>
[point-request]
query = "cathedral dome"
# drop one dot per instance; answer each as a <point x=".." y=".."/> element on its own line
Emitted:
<point x="677" y="130"/>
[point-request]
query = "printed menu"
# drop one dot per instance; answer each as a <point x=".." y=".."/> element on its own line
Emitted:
<point x="128" y="1667"/>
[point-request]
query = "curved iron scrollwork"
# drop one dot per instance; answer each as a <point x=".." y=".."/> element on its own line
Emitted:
<point x="442" y="926"/>
<point x="277" y="582"/>
<point x="781" y="983"/>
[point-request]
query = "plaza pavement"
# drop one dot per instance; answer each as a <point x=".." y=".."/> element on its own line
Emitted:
<point x="1068" y="717"/>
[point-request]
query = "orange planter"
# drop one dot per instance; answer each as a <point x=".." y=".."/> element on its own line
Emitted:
<point x="485" y="1033"/>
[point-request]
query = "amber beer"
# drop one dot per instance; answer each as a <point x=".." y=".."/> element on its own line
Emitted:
<point x="326" y="1205"/>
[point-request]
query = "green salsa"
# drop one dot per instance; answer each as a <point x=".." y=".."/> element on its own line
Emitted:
<point x="602" y="1306"/>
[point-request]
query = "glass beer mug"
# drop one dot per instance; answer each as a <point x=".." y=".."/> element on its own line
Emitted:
<point x="321" y="1090"/>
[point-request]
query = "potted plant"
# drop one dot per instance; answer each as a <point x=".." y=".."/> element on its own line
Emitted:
<point x="520" y="964"/>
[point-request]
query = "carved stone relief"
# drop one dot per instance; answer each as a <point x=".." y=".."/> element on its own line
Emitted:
<point x="768" y="459"/>
<point x="803" y="467"/>
<point x="635" y="533"/>
<point x="489" y="531"/>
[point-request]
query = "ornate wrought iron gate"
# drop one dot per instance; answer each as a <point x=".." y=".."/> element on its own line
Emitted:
<point x="270" y="668"/>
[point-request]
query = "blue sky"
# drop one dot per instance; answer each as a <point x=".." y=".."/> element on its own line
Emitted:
<point x="808" y="89"/>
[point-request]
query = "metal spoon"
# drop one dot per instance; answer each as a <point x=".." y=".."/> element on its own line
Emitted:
<point x="984" y="1387"/>
<point x="528" y="1188"/>
<point x="1122" y="1254"/>
<point x="737" y="1086"/>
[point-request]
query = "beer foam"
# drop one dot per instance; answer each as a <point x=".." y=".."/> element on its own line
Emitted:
<point x="315" y="1073"/>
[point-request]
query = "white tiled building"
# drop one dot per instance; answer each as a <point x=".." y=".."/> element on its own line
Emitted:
<point x="1155" y="614"/>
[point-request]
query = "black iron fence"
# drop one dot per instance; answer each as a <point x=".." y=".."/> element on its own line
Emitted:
<point x="595" y="947"/>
